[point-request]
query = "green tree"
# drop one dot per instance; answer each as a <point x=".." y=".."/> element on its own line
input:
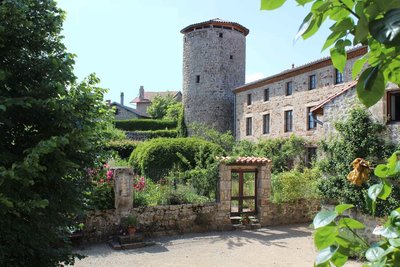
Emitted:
<point x="374" y="23"/>
<point x="50" y="131"/>
<point x="159" y="106"/>
<point x="173" y="111"/>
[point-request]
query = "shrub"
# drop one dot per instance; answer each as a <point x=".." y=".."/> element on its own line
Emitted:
<point x="358" y="137"/>
<point x="124" y="147"/>
<point x="225" y="140"/>
<point x="145" y="124"/>
<point x="295" y="184"/>
<point x="184" y="194"/>
<point x="157" y="157"/>
<point x="159" y="133"/>
<point x="285" y="153"/>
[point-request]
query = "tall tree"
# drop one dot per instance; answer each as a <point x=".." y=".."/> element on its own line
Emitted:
<point x="374" y="23"/>
<point x="49" y="132"/>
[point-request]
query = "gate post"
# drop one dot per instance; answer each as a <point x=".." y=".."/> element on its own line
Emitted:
<point x="123" y="190"/>
<point x="224" y="193"/>
<point x="263" y="192"/>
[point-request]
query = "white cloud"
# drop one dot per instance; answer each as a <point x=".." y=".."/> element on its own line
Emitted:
<point x="254" y="77"/>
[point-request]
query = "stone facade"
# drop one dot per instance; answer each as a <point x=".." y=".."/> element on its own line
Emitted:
<point x="213" y="63"/>
<point x="299" y="102"/>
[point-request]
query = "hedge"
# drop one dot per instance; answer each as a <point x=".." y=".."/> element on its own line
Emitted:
<point x="124" y="148"/>
<point x="156" y="157"/>
<point x="145" y="125"/>
<point x="145" y="135"/>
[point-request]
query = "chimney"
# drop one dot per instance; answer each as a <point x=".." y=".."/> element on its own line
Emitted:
<point x="141" y="92"/>
<point x="293" y="66"/>
<point x="122" y="98"/>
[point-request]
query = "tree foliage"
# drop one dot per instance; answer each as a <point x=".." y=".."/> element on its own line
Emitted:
<point x="50" y="128"/>
<point x="160" y="105"/>
<point x="374" y="23"/>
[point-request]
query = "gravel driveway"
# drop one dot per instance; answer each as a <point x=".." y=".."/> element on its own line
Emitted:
<point x="274" y="246"/>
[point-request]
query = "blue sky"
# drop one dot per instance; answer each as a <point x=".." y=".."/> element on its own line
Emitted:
<point x="129" y="43"/>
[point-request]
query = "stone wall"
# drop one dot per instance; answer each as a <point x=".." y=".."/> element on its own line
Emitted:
<point x="158" y="221"/>
<point x="301" y="99"/>
<point x="300" y="211"/>
<point x="217" y="56"/>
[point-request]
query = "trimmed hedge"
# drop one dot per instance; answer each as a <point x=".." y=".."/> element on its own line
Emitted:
<point x="156" y="157"/>
<point x="124" y="148"/>
<point x="145" y="125"/>
<point x="145" y="135"/>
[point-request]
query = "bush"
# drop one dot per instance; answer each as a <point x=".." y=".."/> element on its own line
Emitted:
<point x="159" y="133"/>
<point x="295" y="184"/>
<point x="184" y="194"/>
<point x="225" y="140"/>
<point x="285" y="153"/>
<point x="157" y="157"/>
<point x="124" y="148"/>
<point x="145" y="125"/>
<point x="358" y="137"/>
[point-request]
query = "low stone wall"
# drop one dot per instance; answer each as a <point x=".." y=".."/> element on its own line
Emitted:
<point x="300" y="211"/>
<point x="159" y="220"/>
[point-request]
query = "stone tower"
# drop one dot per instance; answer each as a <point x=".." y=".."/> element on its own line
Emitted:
<point x="214" y="58"/>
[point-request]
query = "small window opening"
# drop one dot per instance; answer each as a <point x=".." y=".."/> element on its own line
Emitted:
<point x="197" y="78"/>
<point x="231" y="57"/>
<point x="221" y="35"/>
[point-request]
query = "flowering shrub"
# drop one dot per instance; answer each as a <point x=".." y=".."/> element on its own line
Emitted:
<point x="101" y="195"/>
<point x="139" y="184"/>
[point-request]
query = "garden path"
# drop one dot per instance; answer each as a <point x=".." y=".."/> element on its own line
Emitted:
<point x="281" y="246"/>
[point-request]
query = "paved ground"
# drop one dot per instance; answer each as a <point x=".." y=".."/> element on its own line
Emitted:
<point x="275" y="246"/>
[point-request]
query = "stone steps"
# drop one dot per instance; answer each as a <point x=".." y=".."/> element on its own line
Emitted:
<point x="129" y="242"/>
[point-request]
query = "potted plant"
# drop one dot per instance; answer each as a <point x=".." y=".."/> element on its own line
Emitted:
<point x="129" y="223"/>
<point x="245" y="220"/>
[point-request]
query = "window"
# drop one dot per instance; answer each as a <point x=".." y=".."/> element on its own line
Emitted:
<point x="248" y="99"/>
<point x="289" y="88"/>
<point x="231" y="57"/>
<point x="197" y="78"/>
<point x="394" y="106"/>
<point x="266" y="94"/>
<point x="311" y="155"/>
<point x="311" y="123"/>
<point x="116" y="111"/>
<point x="338" y="77"/>
<point x="288" y="120"/>
<point x="220" y="35"/>
<point x="265" y="123"/>
<point x="249" y="126"/>
<point x="312" y="82"/>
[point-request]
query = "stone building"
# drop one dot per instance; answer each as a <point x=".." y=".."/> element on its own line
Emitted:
<point x="214" y="61"/>
<point x="143" y="101"/>
<point x="280" y="105"/>
<point x="123" y="112"/>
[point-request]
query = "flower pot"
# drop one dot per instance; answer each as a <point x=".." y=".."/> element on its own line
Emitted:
<point x="131" y="230"/>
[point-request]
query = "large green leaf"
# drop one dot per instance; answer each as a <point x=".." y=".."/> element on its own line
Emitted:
<point x="324" y="218"/>
<point x="374" y="254"/>
<point x="387" y="29"/>
<point x="395" y="242"/>
<point x="326" y="254"/>
<point x="303" y="2"/>
<point x="371" y="86"/>
<point x="357" y="66"/>
<point x="271" y="4"/>
<point x="343" y="207"/>
<point x="390" y="232"/>
<point x="374" y="191"/>
<point x="349" y="222"/>
<point x="386" y="190"/>
<point x="339" y="259"/>
<point x="325" y="236"/>
<point x="339" y="58"/>
<point x="304" y="26"/>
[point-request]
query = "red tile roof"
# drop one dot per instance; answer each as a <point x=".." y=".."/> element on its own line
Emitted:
<point x="217" y="22"/>
<point x="245" y="160"/>
<point x="343" y="88"/>
<point x="149" y="96"/>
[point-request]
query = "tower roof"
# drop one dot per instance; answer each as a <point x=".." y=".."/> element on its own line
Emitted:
<point x="216" y="23"/>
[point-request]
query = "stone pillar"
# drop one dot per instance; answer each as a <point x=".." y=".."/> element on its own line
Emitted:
<point x="224" y="193"/>
<point x="123" y="189"/>
<point x="263" y="192"/>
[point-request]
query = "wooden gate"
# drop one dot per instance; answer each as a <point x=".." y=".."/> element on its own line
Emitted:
<point x="243" y="192"/>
